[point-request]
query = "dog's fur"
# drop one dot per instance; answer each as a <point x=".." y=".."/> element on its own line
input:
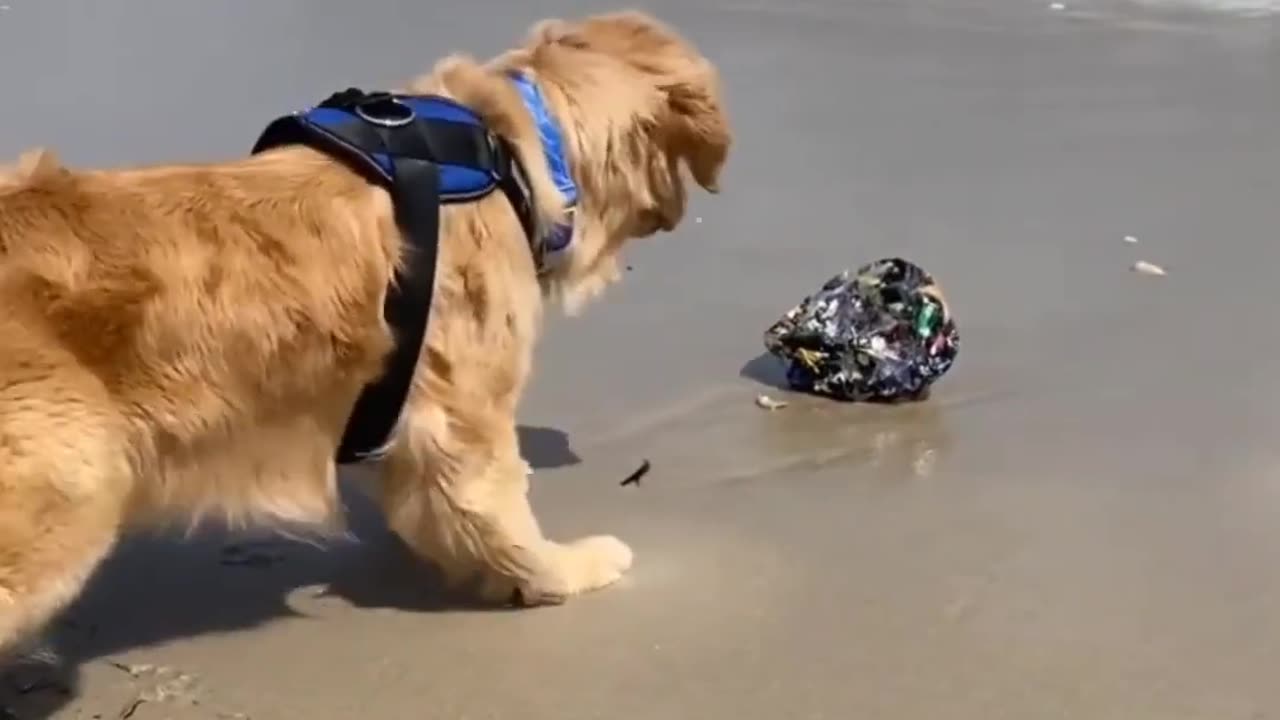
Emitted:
<point x="185" y="342"/>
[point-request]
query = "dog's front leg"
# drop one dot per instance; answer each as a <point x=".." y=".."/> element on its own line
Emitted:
<point x="456" y="491"/>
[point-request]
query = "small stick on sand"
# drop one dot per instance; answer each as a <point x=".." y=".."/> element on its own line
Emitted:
<point x="634" y="478"/>
<point x="130" y="708"/>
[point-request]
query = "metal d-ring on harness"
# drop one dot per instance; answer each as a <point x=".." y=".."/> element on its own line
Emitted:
<point x="426" y="151"/>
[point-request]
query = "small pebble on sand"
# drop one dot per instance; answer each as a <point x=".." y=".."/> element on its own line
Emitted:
<point x="1145" y="268"/>
<point x="698" y="220"/>
<point x="1131" y="239"/>
<point x="1058" y="6"/>
<point x="769" y="403"/>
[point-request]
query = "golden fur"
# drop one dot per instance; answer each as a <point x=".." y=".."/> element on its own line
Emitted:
<point x="185" y="342"/>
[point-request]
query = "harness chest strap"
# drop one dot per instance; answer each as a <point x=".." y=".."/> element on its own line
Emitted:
<point x="426" y="151"/>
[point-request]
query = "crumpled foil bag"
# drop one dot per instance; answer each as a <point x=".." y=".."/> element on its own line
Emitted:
<point x="883" y="334"/>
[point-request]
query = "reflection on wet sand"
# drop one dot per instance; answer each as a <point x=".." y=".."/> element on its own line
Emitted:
<point x="897" y="442"/>
<point x="721" y="436"/>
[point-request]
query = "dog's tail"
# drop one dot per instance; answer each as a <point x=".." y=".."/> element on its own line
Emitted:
<point x="32" y="166"/>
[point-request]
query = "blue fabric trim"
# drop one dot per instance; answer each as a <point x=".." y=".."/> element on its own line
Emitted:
<point x="559" y="238"/>
<point x="549" y="132"/>
<point x="553" y="146"/>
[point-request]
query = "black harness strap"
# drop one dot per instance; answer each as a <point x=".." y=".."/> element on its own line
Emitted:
<point x="394" y="147"/>
<point x="415" y="196"/>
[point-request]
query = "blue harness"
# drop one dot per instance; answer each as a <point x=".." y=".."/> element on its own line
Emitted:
<point x="426" y="151"/>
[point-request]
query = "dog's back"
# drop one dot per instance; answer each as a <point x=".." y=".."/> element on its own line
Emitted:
<point x="212" y="307"/>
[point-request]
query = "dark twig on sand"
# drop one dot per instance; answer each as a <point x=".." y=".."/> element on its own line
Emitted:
<point x="634" y="478"/>
<point x="128" y="710"/>
<point x="134" y="670"/>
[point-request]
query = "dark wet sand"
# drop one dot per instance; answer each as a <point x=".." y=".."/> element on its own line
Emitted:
<point x="1082" y="523"/>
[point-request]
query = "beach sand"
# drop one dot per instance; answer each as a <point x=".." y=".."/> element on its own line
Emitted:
<point x="1081" y="523"/>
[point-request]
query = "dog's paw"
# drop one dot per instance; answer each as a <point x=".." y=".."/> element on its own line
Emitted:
<point x="574" y="568"/>
<point x="563" y="570"/>
<point x="597" y="561"/>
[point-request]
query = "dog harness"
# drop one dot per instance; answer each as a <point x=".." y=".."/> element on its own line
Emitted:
<point x="557" y="162"/>
<point x="426" y="151"/>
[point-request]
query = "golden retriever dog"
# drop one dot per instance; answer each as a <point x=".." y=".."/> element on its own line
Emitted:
<point x="185" y="343"/>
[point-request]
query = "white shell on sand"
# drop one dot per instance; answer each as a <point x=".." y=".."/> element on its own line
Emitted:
<point x="769" y="403"/>
<point x="1146" y="268"/>
<point x="1131" y="239"/>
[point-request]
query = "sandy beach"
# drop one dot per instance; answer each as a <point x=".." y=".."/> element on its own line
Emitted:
<point x="1082" y="522"/>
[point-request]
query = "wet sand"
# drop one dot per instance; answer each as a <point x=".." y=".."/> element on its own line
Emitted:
<point x="1082" y="522"/>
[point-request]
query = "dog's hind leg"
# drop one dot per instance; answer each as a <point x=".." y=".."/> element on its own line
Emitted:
<point x="64" y="478"/>
<point x="456" y="491"/>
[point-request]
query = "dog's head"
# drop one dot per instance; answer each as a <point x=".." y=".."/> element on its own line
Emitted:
<point x="636" y="103"/>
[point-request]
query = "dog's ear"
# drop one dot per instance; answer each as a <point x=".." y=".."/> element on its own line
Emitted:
<point x="697" y="128"/>
<point x="553" y="31"/>
<point x="692" y="119"/>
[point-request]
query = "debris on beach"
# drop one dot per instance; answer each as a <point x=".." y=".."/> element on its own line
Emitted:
<point x="162" y="685"/>
<point x="136" y="670"/>
<point x="1131" y="239"/>
<point x="882" y="333"/>
<point x="636" y="475"/>
<point x="1143" y="267"/>
<point x="1058" y="7"/>
<point x="130" y="708"/>
<point x="768" y="403"/>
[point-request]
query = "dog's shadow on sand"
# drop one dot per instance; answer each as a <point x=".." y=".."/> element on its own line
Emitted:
<point x="159" y="589"/>
<point x="546" y="448"/>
